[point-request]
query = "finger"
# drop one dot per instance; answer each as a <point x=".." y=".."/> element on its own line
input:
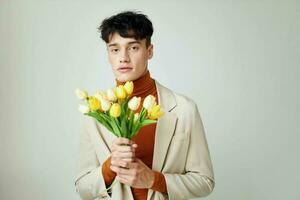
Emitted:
<point x="121" y="148"/>
<point x="120" y="163"/>
<point x="128" y="159"/>
<point x="117" y="169"/>
<point x="122" y="180"/>
<point x="121" y="155"/>
<point x="139" y="163"/>
<point x="120" y="170"/>
<point x="137" y="160"/>
<point x="123" y="141"/>
<point x="116" y="157"/>
<point x="125" y="177"/>
<point x="125" y="148"/>
<point x="113" y="168"/>
<point x="126" y="172"/>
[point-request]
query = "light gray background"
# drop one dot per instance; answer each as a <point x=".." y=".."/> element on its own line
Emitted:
<point x="239" y="60"/>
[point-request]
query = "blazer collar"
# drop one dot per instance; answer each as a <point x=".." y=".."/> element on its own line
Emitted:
<point x="165" y="97"/>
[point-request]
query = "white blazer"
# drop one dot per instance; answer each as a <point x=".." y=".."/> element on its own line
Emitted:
<point x="180" y="152"/>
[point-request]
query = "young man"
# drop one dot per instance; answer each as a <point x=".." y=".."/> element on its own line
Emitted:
<point x="166" y="160"/>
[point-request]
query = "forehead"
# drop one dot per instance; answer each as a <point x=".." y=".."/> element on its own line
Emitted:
<point x="117" y="40"/>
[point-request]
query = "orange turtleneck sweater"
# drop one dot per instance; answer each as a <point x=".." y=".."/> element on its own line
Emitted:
<point x="145" y="138"/>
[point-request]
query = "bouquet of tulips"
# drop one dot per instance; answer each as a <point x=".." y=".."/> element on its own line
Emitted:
<point x="116" y="109"/>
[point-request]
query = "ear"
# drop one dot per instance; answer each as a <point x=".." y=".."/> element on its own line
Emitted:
<point x="150" y="51"/>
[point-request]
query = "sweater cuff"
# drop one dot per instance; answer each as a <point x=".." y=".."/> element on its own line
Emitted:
<point x="159" y="183"/>
<point x="107" y="173"/>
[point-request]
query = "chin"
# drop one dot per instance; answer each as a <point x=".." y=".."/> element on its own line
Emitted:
<point x="131" y="76"/>
<point x="124" y="78"/>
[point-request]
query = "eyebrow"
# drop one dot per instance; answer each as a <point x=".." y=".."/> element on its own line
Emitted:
<point x="116" y="44"/>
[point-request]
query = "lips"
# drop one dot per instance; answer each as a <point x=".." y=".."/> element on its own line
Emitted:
<point x="124" y="69"/>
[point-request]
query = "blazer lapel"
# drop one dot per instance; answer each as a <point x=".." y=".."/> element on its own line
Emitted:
<point x="165" y="129"/>
<point x="165" y="126"/>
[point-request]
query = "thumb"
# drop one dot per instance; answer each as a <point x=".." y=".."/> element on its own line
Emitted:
<point x="140" y="162"/>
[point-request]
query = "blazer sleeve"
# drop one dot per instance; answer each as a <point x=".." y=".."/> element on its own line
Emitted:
<point x="89" y="182"/>
<point x="198" y="181"/>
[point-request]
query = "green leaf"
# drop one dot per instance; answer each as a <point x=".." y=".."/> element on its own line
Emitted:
<point x="148" y="121"/>
<point x="126" y="106"/>
<point x="116" y="127"/>
<point x="124" y="128"/>
<point x="137" y="129"/>
<point x="107" y="117"/>
<point x="143" y="115"/>
<point x="131" y="118"/>
<point x="101" y="119"/>
<point x="108" y="126"/>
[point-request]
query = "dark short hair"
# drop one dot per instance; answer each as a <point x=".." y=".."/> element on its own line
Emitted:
<point x="127" y="24"/>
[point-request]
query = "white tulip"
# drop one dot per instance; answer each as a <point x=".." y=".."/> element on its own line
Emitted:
<point x="111" y="95"/>
<point x="100" y="95"/>
<point x="105" y="104"/>
<point x="134" y="103"/>
<point x="81" y="94"/>
<point x="149" y="102"/>
<point x="83" y="108"/>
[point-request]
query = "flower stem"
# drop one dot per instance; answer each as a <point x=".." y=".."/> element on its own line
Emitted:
<point x="113" y="183"/>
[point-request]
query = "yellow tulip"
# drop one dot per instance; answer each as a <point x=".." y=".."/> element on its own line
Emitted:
<point x="104" y="102"/>
<point x="94" y="103"/>
<point x="121" y="92"/>
<point x="115" y="110"/>
<point x="129" y="87"/>
<point x="155" y="113"/>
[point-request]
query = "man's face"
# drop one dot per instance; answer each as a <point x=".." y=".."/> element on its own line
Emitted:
<point x="128" y="57"/>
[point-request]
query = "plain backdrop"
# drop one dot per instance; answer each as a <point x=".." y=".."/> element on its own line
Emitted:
<point x="239" y="61"/>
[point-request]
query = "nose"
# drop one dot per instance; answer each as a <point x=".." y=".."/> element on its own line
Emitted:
<point x="124" y="56"/>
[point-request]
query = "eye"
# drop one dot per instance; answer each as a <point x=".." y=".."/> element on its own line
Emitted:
<point x="135" y="48"/>
<point x="114" y="50"/>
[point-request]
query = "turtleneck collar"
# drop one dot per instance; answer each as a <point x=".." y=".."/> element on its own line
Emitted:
<point x="143" y="86"/>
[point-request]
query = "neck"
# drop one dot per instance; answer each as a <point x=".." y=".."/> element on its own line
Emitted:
<point x="143" y="86"/>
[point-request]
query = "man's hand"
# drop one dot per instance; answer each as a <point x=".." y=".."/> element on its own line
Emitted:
<point x="138" y="175"/>
<point x="123" y="152"/>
